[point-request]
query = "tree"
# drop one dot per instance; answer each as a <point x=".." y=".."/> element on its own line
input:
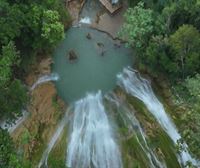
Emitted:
<point x="140" y="24"/>
<point x="10" y="22"/>
<point x="191" y="119"/>
<point x="186" y="43"/>
<point x="156" y="5"/>
<point x="182" y="12"/>
<point x="159" y="56"/>
<point x="13" y="94"/>
<point x="12" y="100"/>
<point x="193" y="85"/>
<point x="8" y="157"/>
<point x="52" y="29"/>
<point x="8" y="59"/>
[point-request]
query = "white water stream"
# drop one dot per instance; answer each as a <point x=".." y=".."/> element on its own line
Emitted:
<point x="133" y="124"/>
<point x="91" y="142"/>
<point x="139" y="87"/>
<point x="44" y="79"/>
<point x="85" y="20"/>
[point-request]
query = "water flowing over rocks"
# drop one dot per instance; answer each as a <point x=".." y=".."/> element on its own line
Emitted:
<point x="139" y="87"/>
<point x="44" y="79"/>
<point x="91" y="141"/>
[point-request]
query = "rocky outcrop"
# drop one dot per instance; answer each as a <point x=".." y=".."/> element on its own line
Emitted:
<point x="72" y="56"/>
<point x="88" y="36"/>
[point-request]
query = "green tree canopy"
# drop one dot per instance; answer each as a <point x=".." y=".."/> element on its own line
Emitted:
<point x="13" y="94"/>
<point x="181" y="12"/>
<point x="8" y="157"/>
<point x="191" y="119"/>
<point x="186" y="43"/>
<point x="8" y="59"/>
<point x="159" y="56"/>
<point x="52" y="29"/>
<point x="140" y="24"/>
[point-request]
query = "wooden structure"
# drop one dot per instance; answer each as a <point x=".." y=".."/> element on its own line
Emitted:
<point x="111" y="8"/>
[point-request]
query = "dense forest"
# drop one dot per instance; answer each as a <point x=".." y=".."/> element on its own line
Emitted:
<point x="165" y="35"/>
<point x="28" y="28"/>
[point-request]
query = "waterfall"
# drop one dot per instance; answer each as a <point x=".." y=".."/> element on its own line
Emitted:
<point x="139" y="87"/>
<point x="45" y="78"/>
<point x="85" y="20"/>
<point x="132" y="123"/>
<point x="91" y="142"/>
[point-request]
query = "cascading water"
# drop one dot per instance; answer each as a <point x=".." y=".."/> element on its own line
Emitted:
<point x="45" y="78"/>
<point x="139" y="87"/>
<point x="91" y="142"/>
<point x="85" y="20"/>
<point x="134" y="126"/>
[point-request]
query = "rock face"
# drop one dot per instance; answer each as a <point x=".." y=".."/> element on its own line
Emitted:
<point x="72" y="56"/>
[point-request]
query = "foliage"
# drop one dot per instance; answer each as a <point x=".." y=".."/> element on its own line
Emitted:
<point x="8" y="157"/>
<point x="182" y="12"/>
<point x="174" y="52"/>
<point x="9" y="21"/>
<point x="13" y="94"/>
<point x="39" y="29"/>
<point x="186" y="43"/>
<point x="134" y="23"/>
<point x="140" y="24"/>
<point x="156" y="5"/>
<point x="159" y="56"/>
<point x="27" y="28"/>
<point x="52" y="29"/>
<point x="8" y="58"/>
<point x="193" y="85"/>
<point x="12" y="100"/>
<point x="191" y="118"/>
<point x="176" y="56"/>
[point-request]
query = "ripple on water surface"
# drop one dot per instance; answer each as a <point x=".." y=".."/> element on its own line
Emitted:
<point x="99" y="60"/>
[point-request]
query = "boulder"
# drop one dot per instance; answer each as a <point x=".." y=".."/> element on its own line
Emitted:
<point x="72" y="56"/>
<point x="99" y="44"/>
<point x="89" y="37"/>
<point x="117" y="45"/>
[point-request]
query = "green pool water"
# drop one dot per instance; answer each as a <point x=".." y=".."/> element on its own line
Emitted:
<point x="92" y="71"/>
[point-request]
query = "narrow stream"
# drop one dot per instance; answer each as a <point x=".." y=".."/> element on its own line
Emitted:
<point x="44" y="79"/>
